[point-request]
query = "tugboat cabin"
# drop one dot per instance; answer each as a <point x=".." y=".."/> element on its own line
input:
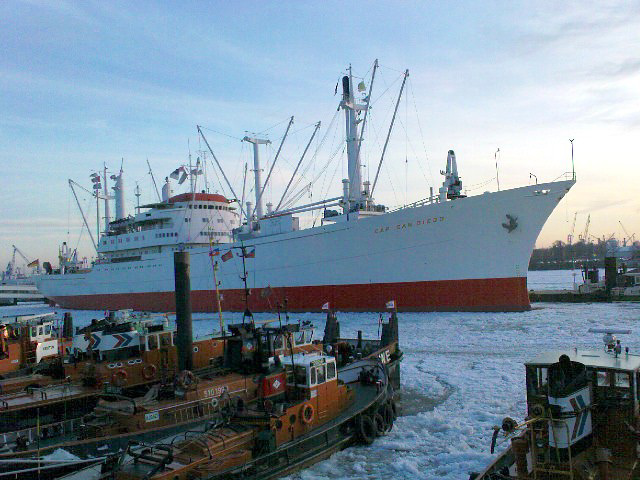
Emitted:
<point x="589" y="401"/>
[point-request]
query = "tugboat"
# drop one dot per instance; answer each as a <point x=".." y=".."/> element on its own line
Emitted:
<point x="583" y="418"/>
<point x="318" y="411"/>
<point x="249" y="374"/>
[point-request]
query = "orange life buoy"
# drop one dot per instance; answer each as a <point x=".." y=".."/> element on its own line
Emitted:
<point x="119" y="378"/>
<point x="149" y="371"/>
<point x="306" y="413"/>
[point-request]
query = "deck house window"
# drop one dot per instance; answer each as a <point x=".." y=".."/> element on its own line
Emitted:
<point x="321" y="374"/>
<point x="313" y="376"/>
<point x="331" y="371"/>
<point x="622" y="380"/>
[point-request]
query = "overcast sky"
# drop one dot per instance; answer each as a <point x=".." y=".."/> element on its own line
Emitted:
<point x="84" y="83"/>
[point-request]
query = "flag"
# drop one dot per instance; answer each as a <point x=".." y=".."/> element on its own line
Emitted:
<point x="361" y="86"/>
<point x="325" y="307"/>
<point x="176" y="173"/>
<point x="214" y="253"/>
<point x="183" y="177"/>
<point x="35" y="263"/>
<point x="249" y="253"/>
<point x="227" y="256"/>
<point x="391" y="304"/>
<point x="95" y="178"/>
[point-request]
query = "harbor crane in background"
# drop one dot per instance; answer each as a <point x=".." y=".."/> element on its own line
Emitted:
<point x="585" y="235"/>
<point x="628" y="237"/>
<point x="12" y="270"/>
<point x="573" y="229"/>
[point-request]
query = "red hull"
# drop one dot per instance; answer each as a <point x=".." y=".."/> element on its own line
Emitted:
<point x="496" y="294"/>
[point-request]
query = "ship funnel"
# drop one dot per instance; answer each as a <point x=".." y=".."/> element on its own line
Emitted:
<point x="345" y="88"/>
<point x="119" y="189"/>
<point x="167" y="191"/>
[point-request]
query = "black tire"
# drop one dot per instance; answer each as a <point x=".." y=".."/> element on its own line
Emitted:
<point x="387" y="414"/>
<point x="366" y="430"/>
<point x="394" y="409"/>
<point x="381" y="425"/>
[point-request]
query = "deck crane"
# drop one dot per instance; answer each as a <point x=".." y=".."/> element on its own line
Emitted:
<point x="573" y="229"/>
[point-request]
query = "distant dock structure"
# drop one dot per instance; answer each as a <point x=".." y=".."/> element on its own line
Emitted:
<point x="12" y="294"/>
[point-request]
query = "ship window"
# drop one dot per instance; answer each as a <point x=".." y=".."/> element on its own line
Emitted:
<point x="300" y="338"/>
<point x="200" y="207"/>
<point x="321" y="374"/>
<point x="47" y="329"/>
<point x="308" y="336"/>
<point x="536" y="380"/>
<point x="621" y="380"/>
<point x="277" y="342"/>
<point x="313" y="376"/>
<point x="190" y="206"/>
<point x="604" y="379"/>
<point x="34" y="332"/>
<point x="153" y="342"/>
<point x="331" y="371"/>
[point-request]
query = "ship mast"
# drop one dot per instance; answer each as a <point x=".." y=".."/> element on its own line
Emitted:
<point x="256" y="170"/>
<point x="351" y="109"/>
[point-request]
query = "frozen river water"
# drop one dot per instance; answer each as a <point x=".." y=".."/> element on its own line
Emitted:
<point x="462" y="373"/>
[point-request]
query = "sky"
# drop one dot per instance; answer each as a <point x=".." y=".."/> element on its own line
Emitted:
<point x="88" y="83"/>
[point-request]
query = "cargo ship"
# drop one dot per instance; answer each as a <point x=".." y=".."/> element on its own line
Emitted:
<point x="446" y="252"/>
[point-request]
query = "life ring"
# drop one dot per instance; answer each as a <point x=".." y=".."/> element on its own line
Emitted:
<point x="306" y="413"/>
<point x="149" y="371"/>
<point x="186" y="379"/>
<point x="215" y="402"/>
<point x="119" y="378"/>
<point x="366" y="429"/>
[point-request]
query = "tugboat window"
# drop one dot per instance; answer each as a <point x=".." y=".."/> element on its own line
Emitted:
<point x="300" y="338"/>
<point x="321" y="374"/>
<point x="331" y="371"/>
<point x="313" y="376"/>
<point x="603" y="379"/>
<point x="622" y="380"/>
<point x="277" y="342"/>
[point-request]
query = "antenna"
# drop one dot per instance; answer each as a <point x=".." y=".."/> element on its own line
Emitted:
<point x="573" y="168"/>
<point x="137" y="194"/>
<point x="495" y="156"/>
<point x="155" y="185"/>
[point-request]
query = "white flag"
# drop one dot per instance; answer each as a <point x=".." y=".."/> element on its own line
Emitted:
<point x="325" y="307"/>
<point x="182" y="178"/>
<point x="391" y="304"/>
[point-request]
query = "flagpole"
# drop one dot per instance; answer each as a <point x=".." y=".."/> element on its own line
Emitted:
<point x="214" y="266"/>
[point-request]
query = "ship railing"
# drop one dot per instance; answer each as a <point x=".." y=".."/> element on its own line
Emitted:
<point x="565" y="176"/>
<point x="49" y="430"/>
<point x="66" y="387"/>
<point x="418" y="203"/>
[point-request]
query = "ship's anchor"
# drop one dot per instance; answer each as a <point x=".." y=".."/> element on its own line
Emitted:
<point x="512" y="224"/>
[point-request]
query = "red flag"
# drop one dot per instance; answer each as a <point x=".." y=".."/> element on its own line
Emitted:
<point x="250" y="253"/>
<point x="214" y="252"/>
<point x="227" y="256"/>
